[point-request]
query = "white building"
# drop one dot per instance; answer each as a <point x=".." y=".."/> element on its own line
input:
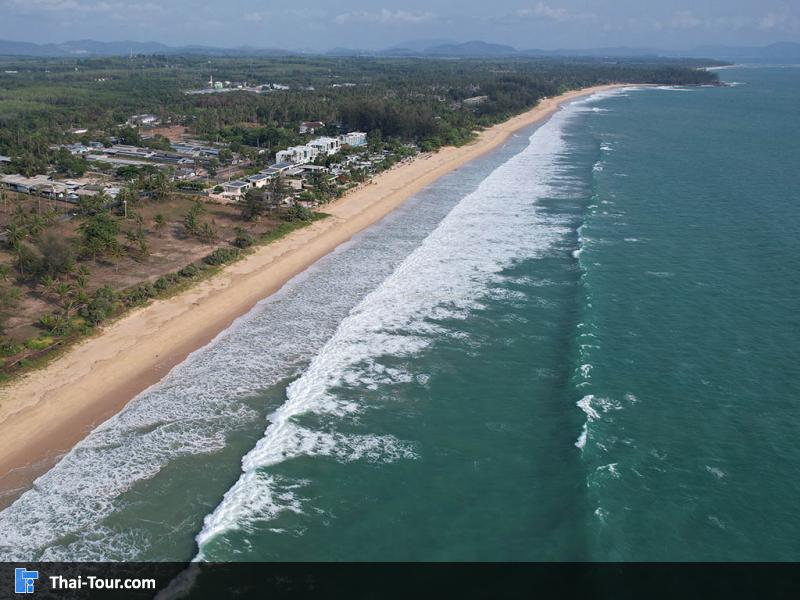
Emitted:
<point x="235" y="188"/>
<point x="258" y="180"/>
<point x="297" y="154"/>
<point x="354" y="138"/>
<point x="145" y="119"/>
<point x="326" y="145"/>
<point x="311" y="126"/>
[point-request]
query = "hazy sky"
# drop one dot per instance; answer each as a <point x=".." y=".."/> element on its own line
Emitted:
<point x="323" y="24"/>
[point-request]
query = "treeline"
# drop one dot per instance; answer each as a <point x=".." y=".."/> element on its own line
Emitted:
<point x="418" y="100"/>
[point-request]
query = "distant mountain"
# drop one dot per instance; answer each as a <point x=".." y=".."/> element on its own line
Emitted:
<point x="87" y="48"/>
<point x="471" y="49"/>
<point x="419" y="46"/>
<point x="81" y="48"/>
<point x="778" y="52"/>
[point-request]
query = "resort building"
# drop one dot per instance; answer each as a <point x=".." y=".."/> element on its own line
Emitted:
<point x="310" y="126"/>
<point x="325" y="145"/>
<point x="354" y="138"/>
<point x="297" y="154"/>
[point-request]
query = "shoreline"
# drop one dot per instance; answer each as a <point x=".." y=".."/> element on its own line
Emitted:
<point x="46" y="412"/>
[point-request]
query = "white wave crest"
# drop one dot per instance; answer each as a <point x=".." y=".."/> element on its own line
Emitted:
<point x="442" y="280"/>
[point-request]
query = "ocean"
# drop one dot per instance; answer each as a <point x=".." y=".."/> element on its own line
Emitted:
<point x="581" y="346"/>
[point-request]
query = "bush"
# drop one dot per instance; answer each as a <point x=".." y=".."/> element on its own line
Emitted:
<point x="163" y="283"/>
<point x="138" y="295"/>
<point x="99" y="307"/>
<point x="299" y="213"/>
<point x="221" y="256"/>
<point x="189" y="271"/>
<point x="192" y="186"/>
<point x="56" y="324"/>
<point x="40" y="343"/>
<point x="243" y="239"/>
<point x="8" y="347"/>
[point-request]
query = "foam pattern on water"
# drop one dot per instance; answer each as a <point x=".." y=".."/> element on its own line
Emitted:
<point x="437" y="285"/>
<point x="201" y="402"/>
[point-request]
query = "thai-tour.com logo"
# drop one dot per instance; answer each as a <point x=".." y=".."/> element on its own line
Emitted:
<point x="24" y="580"/>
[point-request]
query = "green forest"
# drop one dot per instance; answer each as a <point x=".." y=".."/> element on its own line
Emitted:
<point x="43" y="100"/>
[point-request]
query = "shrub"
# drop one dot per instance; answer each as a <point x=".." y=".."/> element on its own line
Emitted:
<point x="138" y="295"/>
<point x="8" y="347"/>
<point x="165" y="282"/>
<point x="243" y="239"/>
<point x="56" y="324"/>
<point x="40" y="343"/>
<point x="189" y="271"/>
<point x="220" y="256"/>
<point x="99" y="307"/>
<point x="193" y="186"/>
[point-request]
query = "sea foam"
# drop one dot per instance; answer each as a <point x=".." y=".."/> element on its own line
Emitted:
<point x="203" y="401"/>
<point x="442" y="281"/>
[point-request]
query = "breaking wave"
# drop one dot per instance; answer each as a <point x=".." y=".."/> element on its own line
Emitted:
<point x="422" y="301"/>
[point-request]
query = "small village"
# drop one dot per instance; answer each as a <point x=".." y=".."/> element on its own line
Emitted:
<point x="124" y="216"/>
<point x="213" y="171"/>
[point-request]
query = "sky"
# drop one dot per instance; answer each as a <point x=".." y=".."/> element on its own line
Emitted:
<point x="325" y="24"/>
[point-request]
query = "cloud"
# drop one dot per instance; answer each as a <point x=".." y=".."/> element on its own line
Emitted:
<point x="257" y="16"/>
<point x="784" y="19"/>
<point x="685" y="19"/>
<point x="554" y="13"/>
<point x="384" y="16"/>
<point x="115" y="9"/>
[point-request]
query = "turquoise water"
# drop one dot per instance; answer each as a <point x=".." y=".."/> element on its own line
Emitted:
<point x="582" y="346"/>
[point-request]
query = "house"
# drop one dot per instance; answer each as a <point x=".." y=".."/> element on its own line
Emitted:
<point x="354" y="138"/>
<point x="325" y="145"/>
<point x="311" y="126"/>
<point x="314" y="169"/>
<point x="475" y="100"/>
<point x="297" y="154"/>
<point x="77" y="149"/>
<point x="194" y="150"/>
<point x="144" y="119"/>
<point x="130" y="151"/>
<point x="278" y="168"/>
<point x="294" y="184"/>
<point x="5" y="159"/>
<point x="25" y="185"/>
<point x="235" y="188"/>
<point x="51" y="189"/>
<point x="183" y="174"/>
<point x="258" y="180"/>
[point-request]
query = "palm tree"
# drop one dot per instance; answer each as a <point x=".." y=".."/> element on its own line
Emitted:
<point x="117" y="254"/>
<point x="82" y="277"/>
<point x="48" y="283"/>
<point x="278" y="190"/>
<point x="160" y="221"/>
<point x="63" y="290"/>
<point x="36" y="225"/>
<point x="15" y="234"/>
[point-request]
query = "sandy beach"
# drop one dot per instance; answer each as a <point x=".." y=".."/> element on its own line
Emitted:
<point x="48" y="411"/>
